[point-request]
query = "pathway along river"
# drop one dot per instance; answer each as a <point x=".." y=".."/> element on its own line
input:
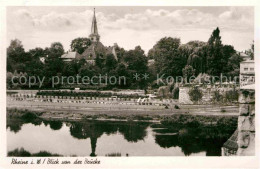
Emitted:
<point x="106" y="138"/>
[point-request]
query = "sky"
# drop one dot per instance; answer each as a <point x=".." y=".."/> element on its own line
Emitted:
<point x="129" y="26"/>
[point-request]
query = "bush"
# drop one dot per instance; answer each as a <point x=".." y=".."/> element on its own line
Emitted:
<point x="176" y="107"/>
<point x="231" y="95"/>
<point x="19" y="153"/>
<point x="217" y="97"/>
<point x="86" y="94"/>
<point x="195" y="94"/>
<point x="23" y="153"/>
<point x="29" y="115"/>
<point x="175" y="93"/>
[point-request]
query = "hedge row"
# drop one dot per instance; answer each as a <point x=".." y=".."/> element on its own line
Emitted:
<point x="86" y="94"/>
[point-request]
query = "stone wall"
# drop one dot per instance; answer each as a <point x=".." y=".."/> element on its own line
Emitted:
<point x="208" y="92"/>
<point x="164" y="91"/>
<point x="246" y="123"/>
<point x="184" y="97"/>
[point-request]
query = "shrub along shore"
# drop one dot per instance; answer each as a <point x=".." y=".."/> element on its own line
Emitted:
<point x="188" y="120"/>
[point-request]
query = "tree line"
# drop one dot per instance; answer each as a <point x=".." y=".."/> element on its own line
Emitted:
<point x="171" y="58"/>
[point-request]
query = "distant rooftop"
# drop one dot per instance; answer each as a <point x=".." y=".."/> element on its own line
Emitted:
<point x="69" y="55"/>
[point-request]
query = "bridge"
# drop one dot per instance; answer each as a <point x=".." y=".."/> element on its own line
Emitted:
<point x="242" y="142"/>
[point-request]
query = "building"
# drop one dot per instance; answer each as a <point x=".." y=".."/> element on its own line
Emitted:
<point x="151" y="62"/>
<point x="244" y="56"/>
<point x="69" y="56"/>
<point x="96" y="49"/>
<point x="247" y="72"/>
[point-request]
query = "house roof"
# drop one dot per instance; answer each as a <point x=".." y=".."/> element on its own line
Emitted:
<point x="243" y="55"/>
<point x="69" y="55"/>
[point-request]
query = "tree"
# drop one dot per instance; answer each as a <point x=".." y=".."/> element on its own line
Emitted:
<point x="70" y="69"/>
<point x="168" y="60"/>
<point x="88" y="70"/>
<point x="55" y="50"/>
<point x="120" y="53"/>
<point x="250" y="51"/>
<point x="185" y="50"/>
<point x="9" y="83"/>
<point x="53" y="63"/>
<point x="233" y="66"/>
<point x="228" y="51"/>
<point x="136" y="60"/>
<point x="215" y="55"/>
<point x="137" y="64"/>
<point x="37" y="53"/>
<point x="196" y="43"/>
<point x="80" y="44"/>
<point x="15" y="54"/>
<point x="99" y="61"/>
<point x="188" y="72"/>
<point x="122" y="71"/>
<point x="110" y="63"/>
<point x="195" y="62"/>
<point x="15" y="51"/>
<point x="195" y="94"/>
<point x="35" y="68"/>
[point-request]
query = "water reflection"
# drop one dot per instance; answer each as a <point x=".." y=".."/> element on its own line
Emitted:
<point x="132" y="132"/>
<point x="135" y="137"/>
<point x="92" y="130"/>
<point x="195" y="140"/>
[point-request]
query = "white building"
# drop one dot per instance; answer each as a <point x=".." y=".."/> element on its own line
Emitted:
<point x="247" y="72"/>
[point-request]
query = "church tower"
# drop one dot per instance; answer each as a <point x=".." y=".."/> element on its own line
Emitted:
<point x="94" y="36"/>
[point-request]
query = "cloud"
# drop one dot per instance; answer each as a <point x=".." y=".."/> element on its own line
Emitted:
<point x="51" y="21"/>
<point x="143" y="27"/>
<point x="237" y="13"/>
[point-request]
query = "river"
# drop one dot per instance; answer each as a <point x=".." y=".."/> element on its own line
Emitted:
<point x="107" y="138"/>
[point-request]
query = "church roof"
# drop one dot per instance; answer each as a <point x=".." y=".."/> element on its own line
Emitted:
<point x="98" y="47"/>
<point x="94" y="29"/>
<point x="90" y="52"/>
<point x="111" y="50"/>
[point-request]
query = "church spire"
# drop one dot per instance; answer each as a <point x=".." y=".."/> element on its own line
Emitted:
<point x="94" y="36"/>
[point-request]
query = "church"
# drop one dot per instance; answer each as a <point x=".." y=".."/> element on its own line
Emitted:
<point x="96" y="49"/>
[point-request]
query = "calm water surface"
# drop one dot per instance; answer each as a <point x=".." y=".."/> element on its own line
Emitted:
<point x="96" y="138"/>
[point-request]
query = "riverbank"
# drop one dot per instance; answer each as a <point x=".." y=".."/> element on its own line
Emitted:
<point x="122" y="108"/>
<point x="163" y="119"/>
